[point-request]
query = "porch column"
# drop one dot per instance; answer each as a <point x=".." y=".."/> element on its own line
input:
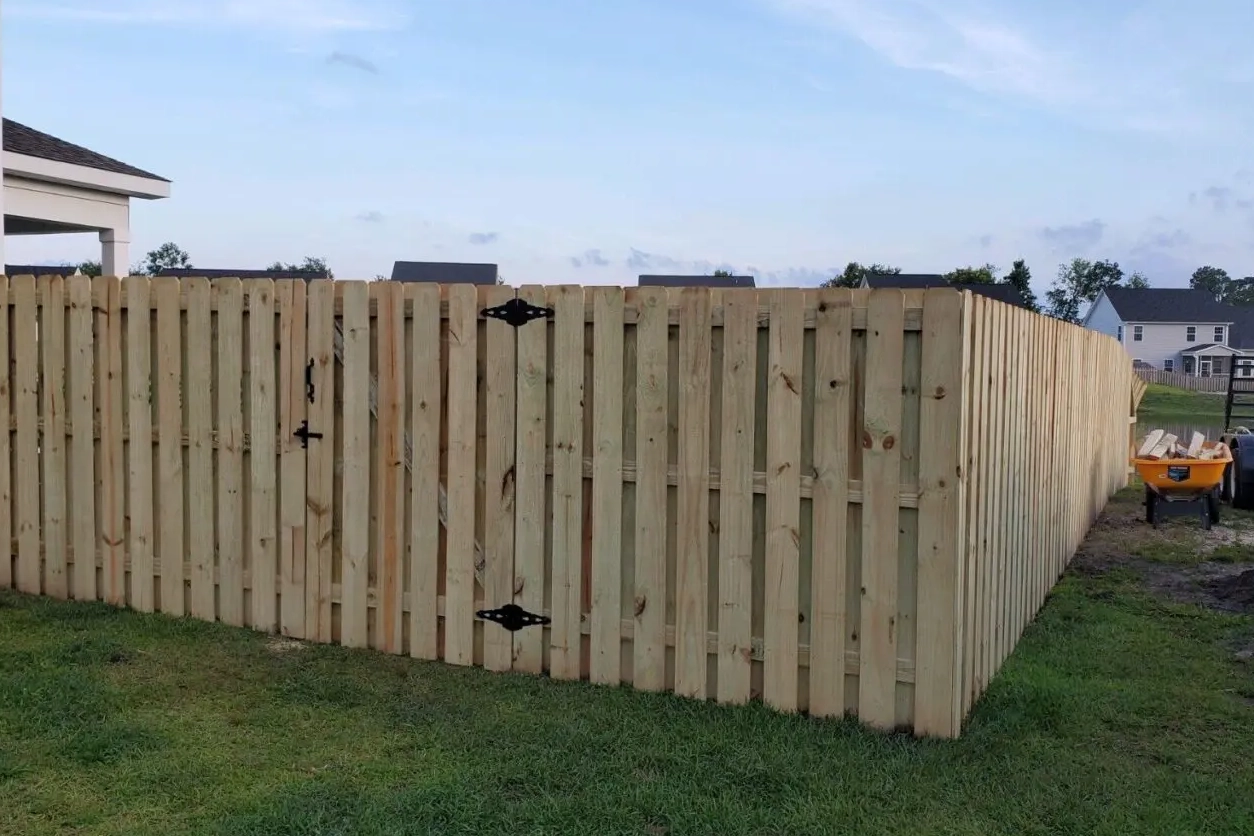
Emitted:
<point x="115" y="252"/>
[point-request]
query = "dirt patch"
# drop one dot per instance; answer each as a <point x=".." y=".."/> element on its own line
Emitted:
<point x="1238" y="590"/>
<point x="284" y="645"/>
<point x="1218" y="586"/>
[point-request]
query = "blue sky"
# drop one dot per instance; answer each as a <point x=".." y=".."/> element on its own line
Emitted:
<point x="579" y="141"/>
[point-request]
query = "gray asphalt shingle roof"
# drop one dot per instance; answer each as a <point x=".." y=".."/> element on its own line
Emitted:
<point x="20" y="139"/>
<point x="444" y="272"/>
<point x="1167" y="304"/>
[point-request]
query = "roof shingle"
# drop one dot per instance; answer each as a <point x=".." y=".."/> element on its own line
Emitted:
<point x="20" y="139"/>
<point x="1167" y="304"/>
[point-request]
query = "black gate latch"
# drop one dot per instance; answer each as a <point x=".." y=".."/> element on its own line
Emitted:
<point x="516" y="312"/>
<point x="304" y="434"/>
<point x="513" y="617"/>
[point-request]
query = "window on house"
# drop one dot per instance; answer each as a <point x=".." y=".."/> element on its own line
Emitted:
<point x="1169" y="365"/>
<point x="1190" y="334"/>
<point x="1120" y="334"/>
<point x="1219" y="333"/>
<point x="1138" y="333"/>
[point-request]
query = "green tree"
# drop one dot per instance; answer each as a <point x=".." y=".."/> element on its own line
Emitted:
<point x="1214" y="280"/>
<point x="1080" y="282"/>
<point x="310" y="263"/>
<point x="89" y="268"/>
<point x="169" y="255"/>
<point x="1138" y="281"/>
<point x="855" y="273"/>
<point x="1021" y="278"/>
<point x="722" y="274"/>
<point x="972" y="275"/>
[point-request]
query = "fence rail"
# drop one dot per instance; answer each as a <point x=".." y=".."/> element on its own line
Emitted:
<point x="830" y="500"/>
<point x="1217" y="383"/>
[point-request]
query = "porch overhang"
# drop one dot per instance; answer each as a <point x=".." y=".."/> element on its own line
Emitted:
<point x="1212" y="350"/>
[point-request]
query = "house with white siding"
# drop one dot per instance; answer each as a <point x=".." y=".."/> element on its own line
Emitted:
<point x="1175" y="329"/>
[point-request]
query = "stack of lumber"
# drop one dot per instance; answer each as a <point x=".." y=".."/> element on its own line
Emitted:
<point x="1160" y="444"/>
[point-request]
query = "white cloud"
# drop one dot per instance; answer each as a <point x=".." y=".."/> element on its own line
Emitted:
<point x="1121" y="72"/>
<point x="286" y="15"/>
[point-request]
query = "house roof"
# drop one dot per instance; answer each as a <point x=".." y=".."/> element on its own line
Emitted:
<point x="20" y="139"/>
<point x="906" y="281"/>
<point x="1241" y="334"/>
<point x="444" y="272"/>
<point x="40" y="270"/>
<point x="1211" y="348"/>
<point x="1006" y="293"/>
<point x="695" y="281"/>
<point x="1167" y="304"/>
<point x="202" y="273"/>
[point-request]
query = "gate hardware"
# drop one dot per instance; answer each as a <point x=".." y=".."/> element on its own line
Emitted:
<point x="304" y="434"/>
<point x="309" y="384"/>
<point x="512" y="617"/>
<point x="516" y="312"/>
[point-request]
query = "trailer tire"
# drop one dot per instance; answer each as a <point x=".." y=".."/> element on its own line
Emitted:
<point x="1243" y="472"/>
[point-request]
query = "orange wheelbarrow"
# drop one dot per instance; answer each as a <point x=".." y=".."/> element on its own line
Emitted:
<point x="1183" y="487"/>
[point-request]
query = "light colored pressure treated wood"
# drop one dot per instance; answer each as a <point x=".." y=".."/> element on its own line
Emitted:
<point x="424" y="430"/>
<point x="82" y="463"/>
<point x="52" y="442"/>
<point x="168" y="390"/>
<point x="355" y="482"/>
<point x="530" y="520"/>
<point x="499" y="483"/>
<point x="692" y="522"/>
<point x="783" y="501"/>
<point x="459" y="577"/>
<point x="607" y="486"/>
<point x="652" y="391"/>
<point x="877" y="488"/>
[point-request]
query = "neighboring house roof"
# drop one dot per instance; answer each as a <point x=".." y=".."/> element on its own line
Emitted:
<point x="202" y="273"/>
<point x="1167" y="304"/>
<point x="905" y="281"/>
<point x="695" y="281"/>
<point x="1210" y="348"/>
<point x="40" y="270"/>
<point x="20" y="139"/>
<point x="1241" y="334"/>
<point x="1006" y="293"/>
<point x="444" y="272"/>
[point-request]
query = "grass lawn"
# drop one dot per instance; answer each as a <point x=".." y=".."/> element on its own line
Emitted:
<point x="1170" y="405"/>
<point x="1128" y="708"/>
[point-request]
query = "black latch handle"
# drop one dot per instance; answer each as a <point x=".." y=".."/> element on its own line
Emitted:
<point x="304" y="434"/>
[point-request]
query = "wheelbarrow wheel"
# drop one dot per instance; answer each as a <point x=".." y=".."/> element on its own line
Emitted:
<point x="1212" y="507"/>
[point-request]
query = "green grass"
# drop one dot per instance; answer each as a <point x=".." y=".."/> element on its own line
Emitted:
<point x="1170" y="405"/>
<point x="1119" y="713"/>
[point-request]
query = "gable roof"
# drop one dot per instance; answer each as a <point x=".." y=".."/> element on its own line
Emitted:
<point x="695" y="281"/>
<point x="444" y="272"/>
<point x="40" y="270"/>
<point x="1167" y="304"/>
<point x="20" y="139"/>
<point x="1007" y="293"/>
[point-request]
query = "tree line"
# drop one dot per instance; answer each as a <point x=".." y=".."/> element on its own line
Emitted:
<point x="1077" y="284"/>
<point x="171" y="256"/>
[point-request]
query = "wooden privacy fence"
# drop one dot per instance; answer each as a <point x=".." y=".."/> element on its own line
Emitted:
<point x="1216" y="383"/>
<point x="835" y="501"/>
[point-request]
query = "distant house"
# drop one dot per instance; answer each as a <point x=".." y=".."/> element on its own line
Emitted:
<point x="1007" y="293"/>
<point x="444" y="272"/>
<point x="695" y="281"/>
<point x="1174" y="329"/>
<point x="38" y="270"/>
<point x="203" y="273"/>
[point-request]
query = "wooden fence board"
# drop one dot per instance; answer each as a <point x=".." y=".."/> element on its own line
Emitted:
<point x="7" y="552"/>
<point x="531" y="405"/>
<point x="320" y="460"/>
<point x="567" y="515"/>
<point x="82" y="452"/>
<point x="139" y="389"/>
<point x="783" y="502"/>
<point x="52" y="443"/>
<point x="462" y="390"/>
<point x="389" y="465"/>
<point x="168" y="390"/>
<point x="263" y="540"/>
<point x="354" y="500"/>
<point x="26" y="454"/>
<point x="200" y="387"/>
<point x="735" y="530"/>
<point x="424" y="399"/>
<point x="229" y="302"/>
<point x="881" y="454"/>
<point x="607" y="487"/>
<point x="693" y="494"/>
<point x="500" y="487"/>
<point x="652" y="395"/>
<point x="293" y="397"/>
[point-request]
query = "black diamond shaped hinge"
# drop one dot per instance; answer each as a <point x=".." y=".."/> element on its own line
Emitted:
<point x="513" y="617"/>
<point x="516" y="312"/>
